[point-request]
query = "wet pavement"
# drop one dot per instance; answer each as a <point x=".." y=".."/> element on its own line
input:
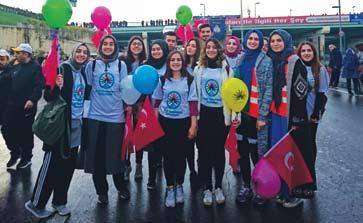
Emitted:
<point x="339" y="174"/>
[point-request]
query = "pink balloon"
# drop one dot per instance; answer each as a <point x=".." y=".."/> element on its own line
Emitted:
<point x="265" y="180"/>
<point x="101" y="17"/>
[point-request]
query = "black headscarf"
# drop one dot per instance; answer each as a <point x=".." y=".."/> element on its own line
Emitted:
<point x="158" y="63"/>
<point x="279" y="59"/>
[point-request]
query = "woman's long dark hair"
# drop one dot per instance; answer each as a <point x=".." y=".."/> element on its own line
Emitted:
<point x="169" y="72"/>
<point x="315" y="63"/>
<point x="193" y="59"/>
<point x="129" y="58"/>
<point x="203" y="60"/>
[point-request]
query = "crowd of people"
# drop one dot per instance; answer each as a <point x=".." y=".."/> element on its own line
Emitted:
<point x="287" y="92"/>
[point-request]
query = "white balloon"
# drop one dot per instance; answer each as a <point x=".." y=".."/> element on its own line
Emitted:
<point x="129" y="94"/>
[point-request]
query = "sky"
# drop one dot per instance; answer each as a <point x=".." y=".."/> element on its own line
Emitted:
<point x="137" y="10"/>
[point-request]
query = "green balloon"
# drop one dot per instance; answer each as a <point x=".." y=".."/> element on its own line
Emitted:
<point x="184" y="14"/>
<point x="57" y="13"/>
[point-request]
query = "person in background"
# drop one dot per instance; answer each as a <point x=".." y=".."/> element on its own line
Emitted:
<point x="106" y="120"/>
<point x="265" y="44"/>
<point x="232" y="51"/>
<point x="176" y="105"/>
<point x="27" y="83"/>
<point x="135" y="56"/>
<point x="205" y="32"/>
<point x="360" y="60"/>
<point x="335" y="65"/>
<point x="350" y="71"/>
<point x="170" y="39"/>
<point x="213" y="119"/>
<point x="56" y="172"/>
<point x="4" y="80"/>
<point x="318" y="79"/>
<point x="157" y="58"/>
<point x="255" y="69"/>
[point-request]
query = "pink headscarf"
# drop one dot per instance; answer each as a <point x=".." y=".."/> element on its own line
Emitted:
<point x="238" y="49"/>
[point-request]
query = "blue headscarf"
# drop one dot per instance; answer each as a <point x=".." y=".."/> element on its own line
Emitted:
<point x="249" y="60"/>
<point x="279" y="59"/>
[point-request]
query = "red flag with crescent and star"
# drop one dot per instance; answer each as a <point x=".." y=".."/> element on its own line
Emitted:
<point x="287" y="160"/>
<point x="127" y="144"/>
<point x="148" y="128"/>
<point x="231" y="146"/>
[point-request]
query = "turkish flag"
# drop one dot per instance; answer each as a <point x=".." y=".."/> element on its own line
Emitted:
<point x="287" y="160"/>
<point x="127" y="145"/>
<point x="185" y="33"/>
<point x="96" y="37"/>
<point x="198" y="22"/>
<point x="231" y="146"/>
<point x="148" y="128"/>
<point x="50" y="68"/>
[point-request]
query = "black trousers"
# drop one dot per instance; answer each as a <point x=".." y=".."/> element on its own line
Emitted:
<point x="99" y="176"/>
<point x="174" y="145"/>
<point x="139" y="156"/>
<point x="211" y="137"/>
<point x="54" y="176"/>
<point x="17" y="131"/>
<point x="334" y="79"/>
<point x="313" y="131"/>
<point x="153" y="157"/>
<point x="190" y="155"/>
<point x="247" y="151"/>
<point x="356" y="85"/>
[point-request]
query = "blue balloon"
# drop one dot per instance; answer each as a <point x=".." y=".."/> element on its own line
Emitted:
<point x="145" y="79"/>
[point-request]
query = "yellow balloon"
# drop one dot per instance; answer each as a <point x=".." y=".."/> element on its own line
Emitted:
<point x="235" y="94"/>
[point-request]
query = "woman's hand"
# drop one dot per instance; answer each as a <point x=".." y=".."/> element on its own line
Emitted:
<point x="192" y="132"/>
<point x="59" y="81"/>
<point x="235" y="123"/>
<point x="260" y="125"/>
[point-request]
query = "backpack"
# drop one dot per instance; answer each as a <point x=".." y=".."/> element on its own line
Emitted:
<point x="51" y="123"/>
<point x="190" y="79"/>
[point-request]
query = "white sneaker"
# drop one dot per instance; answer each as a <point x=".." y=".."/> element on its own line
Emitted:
<point x="208" y="198"/>
<point x="292" y="202"/>
<point x="62" y="210"/>
<point x="39" y="213"/>
<point x="170" y="198"/>
<point x="220" y="199"/>
<point x="179" y="194"/>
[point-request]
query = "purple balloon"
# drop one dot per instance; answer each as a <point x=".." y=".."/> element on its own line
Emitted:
<point x="101" y="17"/>
<point x="265" y="180"/>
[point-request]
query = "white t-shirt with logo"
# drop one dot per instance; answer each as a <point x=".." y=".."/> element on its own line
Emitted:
<point x="211" y="82"/>
<point x="79" y="86"/>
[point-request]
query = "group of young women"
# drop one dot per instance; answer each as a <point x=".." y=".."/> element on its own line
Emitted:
<point x="287" y="91"/>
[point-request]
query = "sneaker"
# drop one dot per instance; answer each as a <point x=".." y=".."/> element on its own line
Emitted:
<point x="62" y="210"/>
<point x="292" y="202"/>
<point x="151" y="185"/>
<point x="170" y="198"/>
<point x="39" y="213"/>
<point x="280" y="200"/>
<point x="194" y="180"/>
<point x="257" y="200"/>
<point x="208" y="198"/>
<point x="127" y="173"/>
<point x="124" y="193"/>
<point x="12" y="161"/>
<point x="138" y="172"/>
<point x="179" y="194"/>
<point x="23" y="164"/>
<point x="244" y="195"/>
<point x="102" y="199"/>
<point x="218" y="193"/>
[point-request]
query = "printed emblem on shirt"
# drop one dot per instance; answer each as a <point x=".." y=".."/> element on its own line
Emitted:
<point x="174" y="100"/>
<point x="211" y="87"/>
<point x="78" y="94"/>
<point x="106" y="80"/>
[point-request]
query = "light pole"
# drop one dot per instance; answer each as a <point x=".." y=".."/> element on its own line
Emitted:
<point x="341" y="33"/>
<point x="256" y="3"/>
<point x="353" y="7"/>
<point x="202" y="4"/>
<point x="241" y="21"/>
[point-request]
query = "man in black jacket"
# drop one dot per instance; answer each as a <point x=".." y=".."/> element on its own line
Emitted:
<point x="335" y="64"/>
<point x="4" y="64"/>
<point x="25" y="90"/>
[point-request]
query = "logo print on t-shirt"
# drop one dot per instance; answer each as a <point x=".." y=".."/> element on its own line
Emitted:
<point x="211" y="87"/>
<point x="106" y="80"/>
<point x="79" y="92"/>
<point x="174" y="100"/>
